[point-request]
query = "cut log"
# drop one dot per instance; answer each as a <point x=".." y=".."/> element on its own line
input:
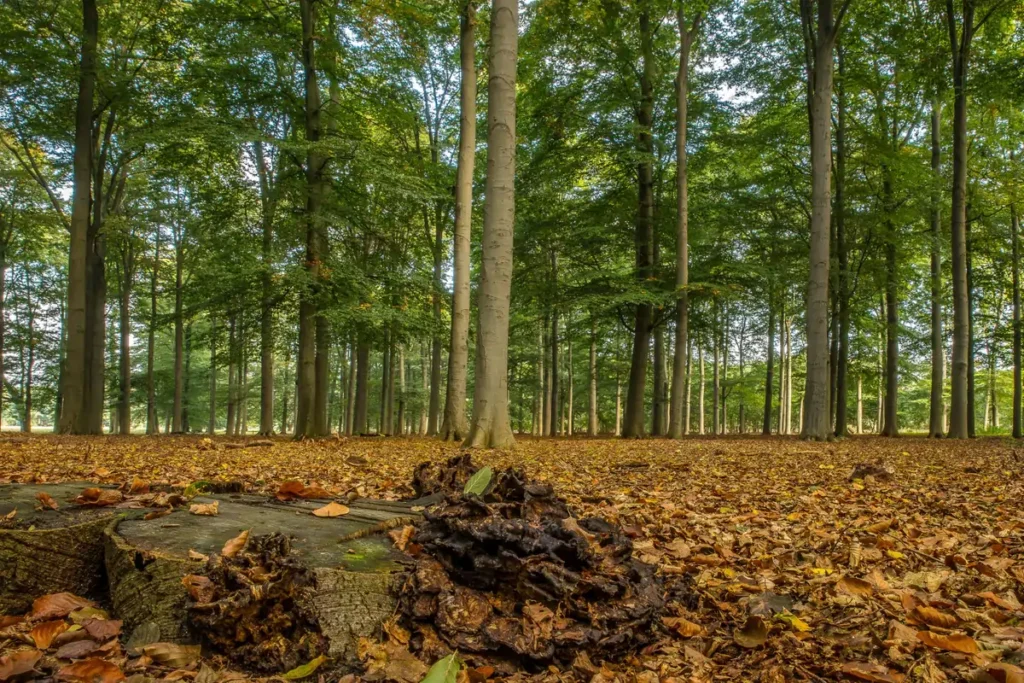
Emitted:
<point x="351" y="556"/>
<point x="48" y="551"/>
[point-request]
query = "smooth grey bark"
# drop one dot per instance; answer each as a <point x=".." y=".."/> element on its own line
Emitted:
<point x="820" y="35"/>
<point x="455" y="425"/>
<point x="491" y="428"/>
<point x="936" y="407"/>
<point x="73" y="390"/>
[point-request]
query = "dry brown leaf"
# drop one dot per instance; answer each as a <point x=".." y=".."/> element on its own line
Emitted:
<point x="934" y="617"/>
<point x="196" y="555"/>
<point x="881" y="527"/>
<point x="200" y="588"/>
<point x="953" y="643"/>
<point x="58" y="605"/>
<point x="102" y="629"/>
<point x="157" y="514"/>
<point x="235" y="545"/>
<point x="402" y="536"/>
<point x="206" y="509"/>
<point x="18" y="663"/>
<point x="852" y="586"/>
<point x="6" y="621"/>
<point x="290" y="490"/>
<point x="1004" y="673"/>
<point x="97" y="497"/>
<point x="46" y="500"/>
<point x="999" y="601"/>
<point x="171" y="654"/>
<point x="43" y="634"/>
<point x="683" y="627"/>
<point x="91" y="671"/>
<point x="753" y="634"/>
<point x="332" y="509"/>
<point x="77" y="649"/>
<point x="867" y="671"/>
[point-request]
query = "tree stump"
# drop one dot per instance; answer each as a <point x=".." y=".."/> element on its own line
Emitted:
<point x="48" y="551"/>
<point x="351" y="556"/>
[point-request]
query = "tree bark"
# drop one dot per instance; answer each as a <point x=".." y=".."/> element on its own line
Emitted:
<point x="633" y="425"/>
<point x="491" y="428"/>
<point x="152" y="425"/>
<point x="211" y="423"/>
<point x="554" y="421"/>
<point x="960" y="43"/>
<point x="456" y="425"/>
<point x="716" y="380"/>
<point x="75" y="405"/>
<point x="700" y="405"/>
<point x="592" y="411"/>
<point x="890" y="425"/>
<point x="179" y="327"/>
<point x="766" y="425"/>
<point x="124" y="407"/>
<point x="384" y="428"/>
<point x="359" y="415"/>
<point x="971" y="344"/>
<point x="268" y="202"/>
<point x="936" y="407"/>
<point x="842" y="252"/>
<point x="1015" y="239"/>
<point x="350" y="390"/>
<point x="820" y="44"/>
<point x="229" y="426"/>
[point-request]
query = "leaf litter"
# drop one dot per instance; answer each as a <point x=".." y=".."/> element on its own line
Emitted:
<point x="908" y="570"/>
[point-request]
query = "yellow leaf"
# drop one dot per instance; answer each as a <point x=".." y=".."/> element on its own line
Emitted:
<point x="794" y="621"/>
<point x="332" y="509"/>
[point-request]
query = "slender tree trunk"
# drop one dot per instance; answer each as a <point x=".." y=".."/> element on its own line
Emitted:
<point x="789" y="376"/>
<point x="425" y="376"/>
<point x="456" y="425"/>
<point x="179" y="331"/>
<point x="890" y="425"/>
<point x="185" y="425"/>
<point x="229" y="426"/>
<point x="680" y="365"/>
<point x="716" y="382"/>
<point x="74" y="389"/>
<point x="881" y="384"/>
<point x="491" y="426"/>
<point x="960" y="42"/>
<point x="618" y="406"/>
<point x="151" y="422"/>
<point x="687" y="399"/>
<point x="384" y="428"/>
<point x="936" y="407"/>
<point x="538" y="427"/>
<point x="633" y="426"/>
<point x="26" y="390"/>
<point x="971" y="344"/>
<point x="842" y="251"/>
<point x="401" y="391"/>
<point x="860" y="404"/>
<point x="1015" y="239"/>
<point x="350" y="390"/>
<point x="211" y="424"/>
<point x="785" y="402"/>
<point x="701" y="410"/>
<point x="359" y="415"/>
<point x="821" y="42"/>
<point x="554" y="421"/>
<point x="569" y="410"/>
<point x="766" y="426"/>
<point x="592" y="408"/>
<point x="124" y="407"/>
<point x="658" y="426"/>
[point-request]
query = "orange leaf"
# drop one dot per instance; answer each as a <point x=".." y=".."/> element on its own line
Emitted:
<point x="43" y="634"/>
<point x="235" y="545"/>
<point x="683" y="627"/>
<point x="97" y="497"/>
<point x="138" y="486"/>
<point x="102" y="629"/>
<point x="90" y="671"/>
<point x="58" y="605"/>
<point x="871" y="672"/>
<point x="21" y="662"/>
<point x="953" y="643"/>
<point x="332" y="509"/>
<point x="290" y="490"/>
<point x="46" y="500"/>
<point x="199" y="588"/>
<point x="934" y="617"/>
<point x="206" y="509"/>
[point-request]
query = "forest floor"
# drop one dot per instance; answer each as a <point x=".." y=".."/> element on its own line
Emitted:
<point x="806" y="565"/>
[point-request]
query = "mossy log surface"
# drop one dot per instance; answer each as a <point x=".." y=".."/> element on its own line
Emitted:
<point x="351" y="555"/>
<point x="48" y="551"/>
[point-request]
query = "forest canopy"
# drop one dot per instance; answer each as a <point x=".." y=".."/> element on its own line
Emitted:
<point x="473" y="219"/>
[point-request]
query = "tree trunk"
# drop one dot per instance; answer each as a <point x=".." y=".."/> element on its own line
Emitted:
<point x="384" y="428"/>
<point x="401" y="391"/>
<point x="890" y="424"/>
<point x="491" y="428"/>
<point x="785" y="402"/>
<point x="554" y="426"/>
<point x="456" y="425"/>
<point x="971" y="344"/>
<point x="211" y="424"/>
<point x="592" y="406"/>
<point x="350" y="390"/>
<point x="312" y="330"/>
<point x="633" y="426"/>
<point x="539" y="410"/>
<point x="960" y="409"/>
<point x="570" y="416"/>
<point x="820" y="43"/>
<point x="716" y="380"/>
<point x="680" y="365"/>
<point x="425" y="376"/>
<point x="75" y="405"/>
<point x="936" y="407"/>
<point x="618" y="406"/>
<point x="842" y="252"/>
<point x="657" y="413"/>
<point x="179" y="330"/>
<point x="860" y="405"/>
<point x="359" y="415"/>
<point x="151" y="422"/>
<point x="687" y="399"/>
<point x="287" y="389"/>
<point x="766" y="426"/>
<point x="185" y="426"/>
<point x="700" y="400"/>
<point x="124" y="407"/>
<point x="1015" y="240"/>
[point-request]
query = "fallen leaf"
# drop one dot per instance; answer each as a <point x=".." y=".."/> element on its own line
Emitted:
<point x="138" y="486"/>
<point x="43" y="634"/>
<point x="235" y="545"/>
<point x="753" y="634"/>
<point x="1002" y="672"/>
<point x="195" y="555"/>
<point x="6" y="621"/>
<point x="872" y="672"/>
<point x="306" y="669"/>
<point x="78" y="649"/>
<point x="46" y="500"/>
<point x="81" y="615"/>
<point x="157" y="514"/>
<point x="290" y="490"/>
<point x="200" y="588"/>
<point x="332" y="509"/>
<point x="58" y="605"/>
<point x="171" y="654"/>
<point x="852" y="586"/>
<point x="797" y="623"/>
<point x="103" y="629"/>
<point x="18" y="663"/>
<point x="97" y="497"/>
<point x="91" y="671"/>
<point x="953" y="643"/>
<point x="207" y="509"/>
<point x="934" y="617"/>
<point x="402" y="536"/>
<point x="683" y="627"/>
<point x="445" y="670"/>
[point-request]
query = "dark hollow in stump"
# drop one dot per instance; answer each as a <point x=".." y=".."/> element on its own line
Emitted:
<point x="352" y="558"/>
<point x="48" y="551"/>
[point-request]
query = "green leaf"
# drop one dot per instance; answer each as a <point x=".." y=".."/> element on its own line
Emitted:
<point x="479" y="482"/>
<point x="304" y="670"/>
<point x="447" y="669"/>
